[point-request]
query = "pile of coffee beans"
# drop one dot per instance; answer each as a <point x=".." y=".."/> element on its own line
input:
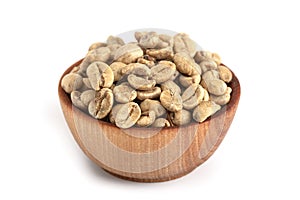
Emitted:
<point x="157" y="81"/>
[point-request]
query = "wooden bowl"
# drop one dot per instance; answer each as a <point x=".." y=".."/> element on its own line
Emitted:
<point x="148" y="154"/>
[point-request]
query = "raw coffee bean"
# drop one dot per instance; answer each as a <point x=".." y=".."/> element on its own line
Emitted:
<point x="100" y="75"/>
<point x="102" y="104"/>
<point x="128" y="53"/>
<point x="140" y="83"/>
<point x="216" y="87"/>
<point x="149" y="94"/>
<point x="204" y="110"/>
<point x="153" y="105"/>
<point x="124" y="93"/>
<point x="172" y="101"/>
<point x="192" y="96"/>
<point x="181" y="117"/>
<point x="128" y="115"/>
<point x="71" y="82"/>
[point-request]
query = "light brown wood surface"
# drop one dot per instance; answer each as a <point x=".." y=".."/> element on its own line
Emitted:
<point x="148" y="154"/>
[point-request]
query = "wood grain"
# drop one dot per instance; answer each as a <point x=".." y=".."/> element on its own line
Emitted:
<point x="148" y="154"/>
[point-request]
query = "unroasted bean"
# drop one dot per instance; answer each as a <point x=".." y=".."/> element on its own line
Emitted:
<point x="163" y="71"/>
<point x="149" y="94"/>
<point x="140" y="70"/>
<point x="183" y="43"/>
<point x="137" y="69"/>
<point x="146" y="119"/>
<point x="223" y="99"/>
<point x="170" y="85"/>
<point x="161" y="122"/>
<point x="113" y="49"/>
<point x="75" y="98"/>
<point x="204" y="110"/>
<point x="87" y="96"/>
<point x="140" y="83"/>
<point x="210" y="75"/>
<point x="206" y="55"/>
<point x="114" y="111"/>
<point x="97" y="45"/>
<point x="153" y="105"/>
<point x="71" y="82"/>
<point x="167" y="39"/>
<point x="100" y="75"/>
<point x="128" y="53"/>
<point x="225" y="73"/>
<point x="149" y="63"/>
<point x="128" y="115"/>
<point x="151" y="40"/>
<point x="112" y="40"/>
<point x="99" y="54"/>
<point x="186" y="81"/>
<point x="102" y="104"/>
<point x="186" y="65"/>
<point x="172" y="101"/>
<point x="216" y="87"/>
<point x="208" y="65"/>
<point x="147" y="40"/>
<point x="202" y="55"/>
<point x="160" y="54"/>
<point x="181" y="117"/>
<point x="216" y="58"/>
<point x="192" y="96"/>
<point x="117" y="67"/>
<point x="124" y="93"/>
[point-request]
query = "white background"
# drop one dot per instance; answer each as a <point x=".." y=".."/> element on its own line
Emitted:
<point x="258" y="40"/>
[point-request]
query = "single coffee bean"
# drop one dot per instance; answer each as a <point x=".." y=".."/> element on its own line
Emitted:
<point x="204" y="110"/>
<point x="216" y="87"/>
<point x="170" y="85"/>
<point x="222" y="99"/>
<point x="149" y="94"/>
<point x="163" y="71"/>
<point x="186" y="65"/>
<point x="128" y="53"/>
<point x="140" y="83"/>
<point x="153" y="105"/>
<point x="186" y="81"/>
<point x="117" y="67"/>
<point x="208" y="65"/>
<point x="114" y="111"/>
<point x="225" y="73"/>
<point x="161" y="54"/>
<point x="172" y="101"/>
<point x="100" y="75"/>
<point x="87" y="96"/>
<point x="102" y="104"/>
<point x="71" y="82"/>
<point x="124" y="93"/>
<point x="183" y="43"/>
<point x="192" y="96"/>
<point x="75" y="98"/>
<point x="181" y="117"/>
<point x="128" y="115"/>
<point x="146" y="119"/>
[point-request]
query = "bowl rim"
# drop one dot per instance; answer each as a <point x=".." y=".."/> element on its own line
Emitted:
<point x="235" y="96"/>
